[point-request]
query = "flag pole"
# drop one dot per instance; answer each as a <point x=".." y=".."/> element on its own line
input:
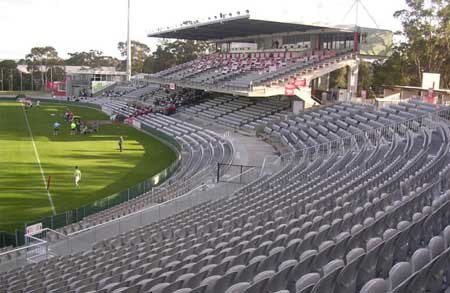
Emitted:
<point x="128" y="45"/>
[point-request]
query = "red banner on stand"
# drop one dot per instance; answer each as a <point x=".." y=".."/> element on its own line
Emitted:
<point x="289" y="89"/>
<point x="300" y="82"/>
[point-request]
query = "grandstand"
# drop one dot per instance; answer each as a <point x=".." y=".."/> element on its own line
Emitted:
<point x="351" y="198"/>
<point x="264" y="58"/>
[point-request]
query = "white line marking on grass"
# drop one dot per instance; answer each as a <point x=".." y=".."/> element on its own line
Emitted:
<point x="39" y="162"/>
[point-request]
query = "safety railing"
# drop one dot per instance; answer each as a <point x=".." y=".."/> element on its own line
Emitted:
<point x="84" y="239"/>
<point x="356" y="140"/>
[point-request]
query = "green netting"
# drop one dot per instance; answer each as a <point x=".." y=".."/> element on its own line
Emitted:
<point x="58" y="221"/>
<point x="7" y="239"/>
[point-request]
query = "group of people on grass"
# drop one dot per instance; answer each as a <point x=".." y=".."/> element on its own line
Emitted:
<point x="75" y="124"/>
<point x="28" y="103"/>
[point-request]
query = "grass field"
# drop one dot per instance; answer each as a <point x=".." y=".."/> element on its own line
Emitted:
<point x="105" y="170"/>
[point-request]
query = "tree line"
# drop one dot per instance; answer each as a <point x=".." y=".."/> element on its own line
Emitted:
<point x="44" y="63"/>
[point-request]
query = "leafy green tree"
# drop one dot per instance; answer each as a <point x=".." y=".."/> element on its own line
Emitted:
<point x="365" y="79"/>
<point x="7" y="71"/>
<point x="426" y="29"/>
<point x="338" y="78"/>
<point x="43" y="62"/>
<point x="92" y="58"/>
<point x="139" y="53"/>
<point x="168" y="54"/>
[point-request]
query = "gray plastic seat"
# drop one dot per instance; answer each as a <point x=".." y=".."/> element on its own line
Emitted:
<point x="399" y="273"/>
<point x="183" y="290"/>
<point x="209" y="282"/>
<point x="279" y="280"/>
<point x="159" y="288"/>
<point x="375" y="286"/>
<point x="238" y="287"/>
<point x="307" y="282"/>
<point x="368" y="266"/>
<point x="306" y="260"/>
<point x="346" y="280"/>
<point x="420" y="258"/>
<point x="133" y="289"/>
<point x="224" y="282"/>
<point x="436" y="246"/>
<point x="328" y="281"/>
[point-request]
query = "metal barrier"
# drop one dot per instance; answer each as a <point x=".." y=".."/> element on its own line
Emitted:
<point x="37" y="249"/>
<point x="84" y="239"/>
<point x="272" y="165"/>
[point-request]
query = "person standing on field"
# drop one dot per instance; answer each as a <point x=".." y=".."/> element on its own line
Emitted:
<point x="77" y="177"/>
<point x="121" y="143"/>
<point x="55" y="128"/>
<point x="73" y="127"/>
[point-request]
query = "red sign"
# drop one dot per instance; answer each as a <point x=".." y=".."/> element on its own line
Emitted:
<point x="57" y="87"/>
<point x="300" y="82"/>
<point x="289" y="89"/>
<point x="430" y="97"/>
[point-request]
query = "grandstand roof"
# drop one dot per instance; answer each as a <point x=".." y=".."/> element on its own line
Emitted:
<point x="231" y="27"/>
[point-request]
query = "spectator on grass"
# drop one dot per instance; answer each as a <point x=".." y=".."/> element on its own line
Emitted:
<point x="73" y="127"/>
<point x="56" y="128"/>
<point x="77" y="177"/>
<point x="121" y="143"/>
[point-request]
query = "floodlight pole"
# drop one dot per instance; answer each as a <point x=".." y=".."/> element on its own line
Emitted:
<point x="128" y="45"/>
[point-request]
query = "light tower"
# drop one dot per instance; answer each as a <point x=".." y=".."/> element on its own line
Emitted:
<point x="128" y="45"/>
<point x="352" y="79"/>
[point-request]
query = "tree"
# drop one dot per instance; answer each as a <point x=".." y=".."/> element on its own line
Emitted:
<point x="43" y="62"/>
<point x="92" y="58"/>
<point x="365" y="78"/>
<point x="338" y="78"/>
<point x="168" y="54"/>
<point x="393" y="71"/>
<point x="426" y="28"/>
<point x="139" y="53"/>
<point x="7" y="70"/>
<point x="160" y="59"/>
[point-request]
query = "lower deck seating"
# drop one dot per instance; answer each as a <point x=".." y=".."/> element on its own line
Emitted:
<point x="238" y="112"/>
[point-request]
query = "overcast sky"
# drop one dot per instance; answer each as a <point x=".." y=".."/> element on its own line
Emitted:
<point x="81" y="25"/>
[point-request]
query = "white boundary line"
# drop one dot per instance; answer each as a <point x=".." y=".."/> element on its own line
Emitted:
<point x="39" y="162"/>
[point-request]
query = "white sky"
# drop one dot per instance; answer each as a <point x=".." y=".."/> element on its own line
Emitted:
<point x="81" y="25"/>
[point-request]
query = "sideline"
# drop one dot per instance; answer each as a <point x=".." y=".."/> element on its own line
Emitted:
<point x="39" y="161"/>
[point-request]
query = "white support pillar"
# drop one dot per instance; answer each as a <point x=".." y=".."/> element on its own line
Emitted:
<point x="352" y="85"/>
<point x="128" y="45"/>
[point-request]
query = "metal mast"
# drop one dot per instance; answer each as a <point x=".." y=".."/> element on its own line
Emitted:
<point x="128" y="45"/>
<point x="356" y="4"/>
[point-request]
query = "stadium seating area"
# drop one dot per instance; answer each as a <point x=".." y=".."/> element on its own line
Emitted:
<point x="241" y="70"/>
<point x="331" y="123"/>
<point x="372" y="215"/>
<point x="238" y="112"/>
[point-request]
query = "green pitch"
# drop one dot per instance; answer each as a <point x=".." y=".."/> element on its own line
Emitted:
<point x="105" y="170"/>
